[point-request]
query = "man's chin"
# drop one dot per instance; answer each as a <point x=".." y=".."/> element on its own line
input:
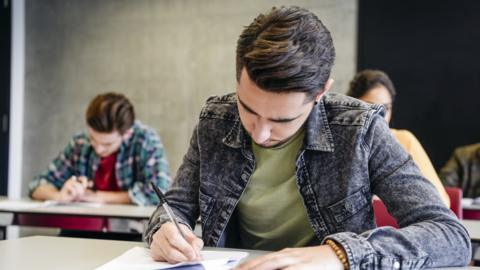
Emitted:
<point x="271" y="144"/>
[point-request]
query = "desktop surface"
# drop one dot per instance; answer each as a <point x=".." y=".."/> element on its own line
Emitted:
<point x="43" y="252"/>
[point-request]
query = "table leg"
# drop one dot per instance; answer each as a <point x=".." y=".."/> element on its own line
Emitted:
<point x="3" y="232"/>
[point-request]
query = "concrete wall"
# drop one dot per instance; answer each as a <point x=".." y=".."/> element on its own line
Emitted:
<point x="167" y="56"/>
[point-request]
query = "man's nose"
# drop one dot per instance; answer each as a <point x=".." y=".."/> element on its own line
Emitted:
<point x="99" y="149"/>
<point x="261" y="133"/>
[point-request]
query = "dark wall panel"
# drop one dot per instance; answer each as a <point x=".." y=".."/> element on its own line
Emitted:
<point x="5" y="41"/>
<point x="431" y="50"/>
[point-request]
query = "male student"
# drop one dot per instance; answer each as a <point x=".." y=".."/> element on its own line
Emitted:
<point x="112" y="162"/>
<point x="463" y="170"/>
<point x="281" y="164"/>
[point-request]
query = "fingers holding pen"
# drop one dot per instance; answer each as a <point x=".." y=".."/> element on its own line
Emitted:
<point x="87" y="184"/>
<point x="169" y="245"/>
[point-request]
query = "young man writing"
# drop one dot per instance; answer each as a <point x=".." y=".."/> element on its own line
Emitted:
<point x="280" y="164"/>
<point x="113" y="162"/>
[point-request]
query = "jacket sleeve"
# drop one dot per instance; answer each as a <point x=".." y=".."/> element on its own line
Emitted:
<point x="183" y="195"/>
<point x="430" y="235"/>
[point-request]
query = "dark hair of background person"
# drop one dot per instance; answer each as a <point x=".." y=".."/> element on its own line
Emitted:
<point x="110" y="112"/>
<point x="368" y="79"/>
<point x="286" y="50"/>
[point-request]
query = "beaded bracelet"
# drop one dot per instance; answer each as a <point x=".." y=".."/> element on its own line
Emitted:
<point x="339" y="252"/>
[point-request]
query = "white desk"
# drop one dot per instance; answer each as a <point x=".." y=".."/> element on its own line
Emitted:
<point x="105" y="210"/>
<point x="35" y="211"/>
<point x="43" y="252"/>
<point x="471" y="207"/>
<point x="473" y="228"/>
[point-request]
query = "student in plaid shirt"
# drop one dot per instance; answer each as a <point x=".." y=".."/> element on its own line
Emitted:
<point x="112" y="162"/>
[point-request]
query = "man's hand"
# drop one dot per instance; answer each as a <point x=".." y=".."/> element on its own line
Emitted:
<point x="169" y="245"/>
<point x="92" y="196"/>
<point x="73" y="189"/>
<point x="314" y="258"/>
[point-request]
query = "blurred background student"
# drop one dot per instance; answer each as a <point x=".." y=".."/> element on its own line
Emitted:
<point x="113" y="161"/>
<point x="374" y="86"/>
<point x="463" y="170"/>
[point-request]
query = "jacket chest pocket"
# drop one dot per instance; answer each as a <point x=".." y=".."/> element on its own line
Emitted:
<point x="353" y="213"/>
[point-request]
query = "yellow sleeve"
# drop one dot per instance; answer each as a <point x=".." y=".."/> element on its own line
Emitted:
<point x="415" y="149"/>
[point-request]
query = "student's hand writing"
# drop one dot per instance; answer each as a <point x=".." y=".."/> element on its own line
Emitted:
<point x="169" y="245"/>
<point x="315" y="258"/>
<point x="72" y="190"/>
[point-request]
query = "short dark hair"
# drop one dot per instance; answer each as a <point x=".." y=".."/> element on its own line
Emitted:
<point x="368" y="79"/>
<point x="110" y="112"/>
<point x="286" y="50"/>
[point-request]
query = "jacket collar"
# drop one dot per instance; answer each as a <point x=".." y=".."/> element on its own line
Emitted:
<point x="318" y="136"/>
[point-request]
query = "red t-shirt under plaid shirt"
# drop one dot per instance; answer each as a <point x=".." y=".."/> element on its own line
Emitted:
<point x="105" y="177"/>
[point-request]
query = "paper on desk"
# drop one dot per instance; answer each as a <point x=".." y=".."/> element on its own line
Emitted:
<point x="139" y="258"/>
<point x="73" y="204"/>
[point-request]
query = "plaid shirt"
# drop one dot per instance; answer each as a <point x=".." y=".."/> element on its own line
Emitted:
<point x="141" y="159"/>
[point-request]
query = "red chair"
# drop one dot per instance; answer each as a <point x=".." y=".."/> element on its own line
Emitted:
<point x="455" y="194"/>
<point x="383" y="217"/>
<point x="98" y="224"/>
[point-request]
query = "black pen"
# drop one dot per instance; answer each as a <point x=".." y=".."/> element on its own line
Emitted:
<point x="164" y="204"/>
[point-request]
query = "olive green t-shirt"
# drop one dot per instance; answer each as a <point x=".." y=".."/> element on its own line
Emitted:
<point x="271" y="212"/>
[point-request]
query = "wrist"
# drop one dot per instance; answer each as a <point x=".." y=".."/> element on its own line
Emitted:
<point x="339" y="252"/>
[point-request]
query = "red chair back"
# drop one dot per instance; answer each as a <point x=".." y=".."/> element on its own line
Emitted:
<point x="63" y="222"/>
<point x="455" y="195"/>
<point x="382" y="217"/>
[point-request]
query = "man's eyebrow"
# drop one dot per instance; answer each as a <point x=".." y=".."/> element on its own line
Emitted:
<point x="277" y="120"/>
<point x="250" y="110"/>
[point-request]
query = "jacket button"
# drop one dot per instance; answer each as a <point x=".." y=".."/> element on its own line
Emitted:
<point x="396" y="265"/>
<point x="244" y="177"/>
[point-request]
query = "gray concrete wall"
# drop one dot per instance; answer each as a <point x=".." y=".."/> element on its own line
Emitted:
<point x="167" y="56"/>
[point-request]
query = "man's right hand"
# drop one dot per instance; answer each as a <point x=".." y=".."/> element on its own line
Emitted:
<point x="169" y="245"/>
<point x="73" y="189"/>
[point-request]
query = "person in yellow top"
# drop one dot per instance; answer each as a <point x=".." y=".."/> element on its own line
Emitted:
<point x="374" y="86"/>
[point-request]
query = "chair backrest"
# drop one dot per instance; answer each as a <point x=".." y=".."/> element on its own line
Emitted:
<point x="63" y="222"/>
<point x="383" y="217"/>
<point x="455" y="194"/>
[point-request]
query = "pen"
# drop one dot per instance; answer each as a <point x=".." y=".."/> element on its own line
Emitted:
<point x="164" y="204"/>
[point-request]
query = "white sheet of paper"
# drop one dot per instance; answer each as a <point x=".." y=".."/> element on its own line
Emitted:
<point x="139" y="258"/>
<point x="72" y="204"/>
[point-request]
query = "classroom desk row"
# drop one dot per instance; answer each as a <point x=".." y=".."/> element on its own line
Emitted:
<point x="25" y="212"/>
<point x="27" y="208"/>
<point x="43" y="252"/>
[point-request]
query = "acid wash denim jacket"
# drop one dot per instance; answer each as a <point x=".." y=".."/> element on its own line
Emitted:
<point x="348" y="155"/>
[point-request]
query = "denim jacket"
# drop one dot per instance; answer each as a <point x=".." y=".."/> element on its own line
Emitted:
<point x="348" y="155"/>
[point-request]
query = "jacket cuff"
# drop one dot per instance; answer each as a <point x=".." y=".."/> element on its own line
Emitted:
<point x="360" y="253"/>
<point x="162" y="218"/>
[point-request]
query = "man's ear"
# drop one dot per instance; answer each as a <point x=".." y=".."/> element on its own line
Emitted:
<point x="327" y="87"/>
